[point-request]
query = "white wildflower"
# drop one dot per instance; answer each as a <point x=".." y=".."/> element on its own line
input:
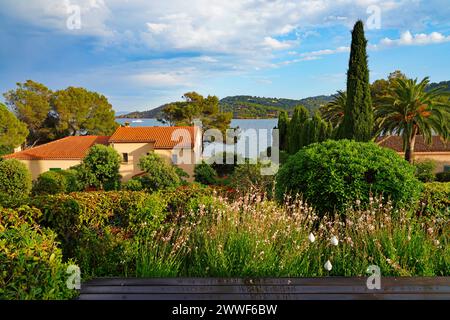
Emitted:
<point x="311" y="237"/>
<point x="328" y="266"/>
<point x="334" y="241"/>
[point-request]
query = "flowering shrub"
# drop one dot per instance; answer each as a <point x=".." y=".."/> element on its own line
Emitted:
<point x="31" y="264"/>
<point x="251" y="236"/>
<point x="332" y="175"/>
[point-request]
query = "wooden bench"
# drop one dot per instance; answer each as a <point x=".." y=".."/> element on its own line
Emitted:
<point x="326" y="288"/>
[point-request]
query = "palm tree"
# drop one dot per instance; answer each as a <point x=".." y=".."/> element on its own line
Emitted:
<point x="334" y="110"/>
<point x="408" y="109"/>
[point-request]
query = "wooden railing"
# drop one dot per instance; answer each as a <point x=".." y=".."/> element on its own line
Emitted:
<point x="326" y="288"/>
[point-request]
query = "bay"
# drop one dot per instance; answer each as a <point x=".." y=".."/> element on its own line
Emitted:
<point x="248" y="148"/>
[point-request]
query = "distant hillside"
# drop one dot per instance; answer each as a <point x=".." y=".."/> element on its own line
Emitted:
<point x="249" y="107"/>
<point x="245" y="107"/>
<point x="445" y="84"/>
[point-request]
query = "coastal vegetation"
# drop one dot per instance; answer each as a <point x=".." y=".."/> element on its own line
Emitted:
<point x="338" y="203"/>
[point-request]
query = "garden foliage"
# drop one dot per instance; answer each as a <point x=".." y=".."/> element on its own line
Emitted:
<point x="15" y="183"/>
<point x="332" y="175"/>
<point x="31" y="265"/>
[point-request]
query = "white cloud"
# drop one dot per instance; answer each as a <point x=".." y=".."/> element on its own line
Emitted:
<point x="326" y="52"/>
<point x="157" y="28"/>
<point x="155" y="80"/>
<point x="273" y="43"/>
<point x="408" y="39"/>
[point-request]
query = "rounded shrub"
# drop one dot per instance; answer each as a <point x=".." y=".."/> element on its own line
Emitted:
<point x="100" y="168"/>
<point x="72" y="182"/>
<point x="31" y="265"/>
<point x="158" y="173"/>
<point x="15" y="183"/>
<point x="205" y="174"/>
<point x="50" y="182"/>
<point x="332" y="175"/>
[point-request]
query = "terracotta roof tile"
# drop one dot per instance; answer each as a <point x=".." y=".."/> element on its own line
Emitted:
<point x="162" y="137"/>
<point x="69" y="148"/>
<point x="396" y="143"/>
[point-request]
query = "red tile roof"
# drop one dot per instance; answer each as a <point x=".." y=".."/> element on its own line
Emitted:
<point x="162" y="137"/>
<point x="437" y="145"/>
<point x="69" y="148"/>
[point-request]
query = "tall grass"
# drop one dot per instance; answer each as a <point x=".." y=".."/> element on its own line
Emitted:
<point x="252" y="236"/>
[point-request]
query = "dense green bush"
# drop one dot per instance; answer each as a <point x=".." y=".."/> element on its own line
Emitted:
<point x="158" y="174"/>
<point x="4" y="150"/>
<point x="332" y="175"/>
<point x="100" y="168"/>
<point x="436" y="199"/>
<point x="73" y="183"/>
<point x="53" y="182"/>
<point x="224" y="163"/>
<point x="443" y="176"/>
<point x="94" y="225"/>
<point x="425" y="170"/>
<point x="134" y="184"/>
<point x="249" y="178"/>
<point x="15" y="183"/>
<point x="185" y="199"/>
<point x="31" y="264"/>
<point x="205" y="174"/>
<point x="50" y="182"/>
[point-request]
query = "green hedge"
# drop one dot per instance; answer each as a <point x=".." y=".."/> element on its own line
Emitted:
<point x="205" y="174"/>
<point x="332" y="175"/>
<point x="15" y="183"/>
<point x="99" y="228"/>
<point x="31" y="264"/>
<point x="436" y="199"/>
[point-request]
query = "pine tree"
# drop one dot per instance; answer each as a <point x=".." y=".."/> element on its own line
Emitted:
<point x="283" y="123"/>
<point x="358" y="115"/>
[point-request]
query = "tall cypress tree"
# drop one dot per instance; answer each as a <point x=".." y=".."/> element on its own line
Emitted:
<point x="301" y="114"/>
<point x="283" y="122"/>
<point x="358" y="116"/>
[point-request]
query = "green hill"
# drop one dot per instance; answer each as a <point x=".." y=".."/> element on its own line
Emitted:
<point x="248" y="107"/>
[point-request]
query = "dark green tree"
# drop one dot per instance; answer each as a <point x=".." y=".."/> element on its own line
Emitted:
<point x="13" y="132"/>
<point x="158" y="173"/>
<point x="295" y="134"/>
<point x="100" y="168"/>
<point x="30" y="101"/>
<point x="195" y="106"/>
<point x="283" y="123"/>
<point x="358" y="116"/>
<point x="82" y="112"/>
<point x="15" y="183"/>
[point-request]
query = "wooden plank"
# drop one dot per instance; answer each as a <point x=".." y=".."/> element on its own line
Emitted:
<point x="237" y="289"/>
<point x="310" y="296"/>
<point x="341" y="288"/>
<point x="326" y="281"/>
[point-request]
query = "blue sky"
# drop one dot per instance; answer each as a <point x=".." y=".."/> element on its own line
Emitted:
<point x="141" y="53"/>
